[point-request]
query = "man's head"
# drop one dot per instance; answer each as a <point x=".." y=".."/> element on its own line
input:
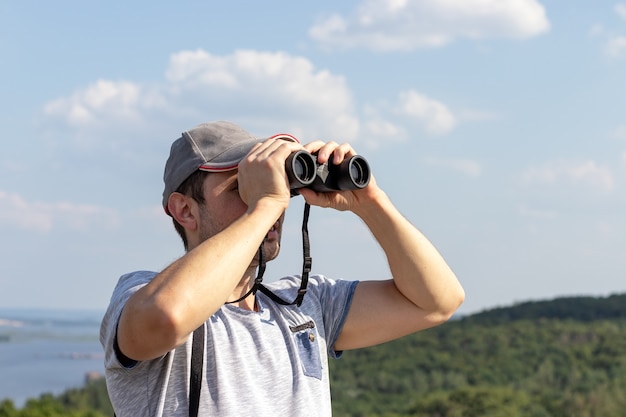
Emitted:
<point x="210" y="147"/>
<point x="215" y="147"/>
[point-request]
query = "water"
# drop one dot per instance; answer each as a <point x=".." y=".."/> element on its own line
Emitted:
<point x="47" y="351"/>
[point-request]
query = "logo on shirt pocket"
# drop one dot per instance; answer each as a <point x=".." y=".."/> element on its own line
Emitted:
<point x="308" y="349"/>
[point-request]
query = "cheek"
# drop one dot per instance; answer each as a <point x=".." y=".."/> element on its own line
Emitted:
<point x="233" y="209"/>
<point x="221" y="212"/>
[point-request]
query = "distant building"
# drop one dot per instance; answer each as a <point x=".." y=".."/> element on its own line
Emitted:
<point x="92" y="376"/>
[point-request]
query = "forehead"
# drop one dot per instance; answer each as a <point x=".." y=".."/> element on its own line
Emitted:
<point x="220" y="180"/>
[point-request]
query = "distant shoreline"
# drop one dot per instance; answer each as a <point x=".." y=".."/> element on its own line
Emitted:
<point x="47" y="351"/>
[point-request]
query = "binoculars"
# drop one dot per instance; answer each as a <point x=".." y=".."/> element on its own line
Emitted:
<point x="303" y="170"/>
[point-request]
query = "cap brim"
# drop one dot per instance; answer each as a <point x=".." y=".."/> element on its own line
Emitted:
<point x="230" y="159"/>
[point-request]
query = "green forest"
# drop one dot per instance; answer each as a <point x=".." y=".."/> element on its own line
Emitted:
<point x="563" y="357"/>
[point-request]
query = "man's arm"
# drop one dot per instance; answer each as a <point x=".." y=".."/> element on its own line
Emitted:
<point x="161" y="315"/>
<point x="423" y="293"/>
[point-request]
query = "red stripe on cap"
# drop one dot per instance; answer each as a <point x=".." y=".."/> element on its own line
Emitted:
<point x="285" y="136"/>
<point x="217" y="169"/>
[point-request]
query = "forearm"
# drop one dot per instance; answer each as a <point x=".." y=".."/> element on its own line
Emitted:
<point x="162" y="314"/>
<point x="419" y="271"/>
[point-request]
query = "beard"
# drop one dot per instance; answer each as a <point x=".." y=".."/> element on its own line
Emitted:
<point x="270" y="249"/>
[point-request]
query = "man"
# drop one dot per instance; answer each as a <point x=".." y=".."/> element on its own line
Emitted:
<point x="227" y="192"/>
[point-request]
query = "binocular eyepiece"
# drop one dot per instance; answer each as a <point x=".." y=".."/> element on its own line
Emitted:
<point x="303" y="170"/>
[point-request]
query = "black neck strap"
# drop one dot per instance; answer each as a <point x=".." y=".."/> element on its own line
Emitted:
<point x="306" y="269"/>
<point x="257" y="280"/>
<point x="197" y="349"/>
<point x="195" y="375"/>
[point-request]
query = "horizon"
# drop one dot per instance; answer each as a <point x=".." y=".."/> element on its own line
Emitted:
<point x="98" y="311"/>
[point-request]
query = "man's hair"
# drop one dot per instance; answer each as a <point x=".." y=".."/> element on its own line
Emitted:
<point x="192" y="187"/>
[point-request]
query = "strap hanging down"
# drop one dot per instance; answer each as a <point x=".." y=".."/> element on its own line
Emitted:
<point x="306" y="269"/>
<point x="195" y="376"/>
<point x="306" y="265"/>
<point x="197" y="348"/>
<point x="257" y="280"/>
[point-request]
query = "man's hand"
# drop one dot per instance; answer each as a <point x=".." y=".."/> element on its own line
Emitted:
<point x="353" y="200"/>
<point x="262" y="173"/>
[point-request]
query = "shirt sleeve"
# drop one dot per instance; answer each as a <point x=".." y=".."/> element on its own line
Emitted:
<point x="127" y="285"/>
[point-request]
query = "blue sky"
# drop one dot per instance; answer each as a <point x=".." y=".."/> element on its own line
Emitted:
<point x="498" y="127"/>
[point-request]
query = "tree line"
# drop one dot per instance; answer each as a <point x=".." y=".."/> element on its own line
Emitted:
<point x="562" y="357"/>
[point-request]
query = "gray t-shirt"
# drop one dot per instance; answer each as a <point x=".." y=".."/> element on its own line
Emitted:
<point x="273" y="362"/>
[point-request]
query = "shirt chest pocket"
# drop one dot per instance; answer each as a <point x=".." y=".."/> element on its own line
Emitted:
<point x="307" y="346"/>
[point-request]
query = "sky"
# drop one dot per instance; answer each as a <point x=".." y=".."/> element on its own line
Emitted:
<point x="497" y="127"/>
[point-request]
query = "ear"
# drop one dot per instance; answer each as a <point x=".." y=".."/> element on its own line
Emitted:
<point x="181" y="209"/>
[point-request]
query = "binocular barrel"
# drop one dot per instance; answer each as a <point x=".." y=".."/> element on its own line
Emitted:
<point x="303" y="170"/>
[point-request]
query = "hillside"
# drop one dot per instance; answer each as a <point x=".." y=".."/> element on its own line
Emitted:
<point x="562" y="357"/>
<point x="567" y="308"/>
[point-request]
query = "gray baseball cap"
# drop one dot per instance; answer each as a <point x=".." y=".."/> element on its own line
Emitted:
<point x="213" y="147"/>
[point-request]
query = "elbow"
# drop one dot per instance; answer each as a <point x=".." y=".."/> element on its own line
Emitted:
<point x="452" y="304"/>
<point x="457" y="296"/>
<point x="447" y="307"/>
<point x="168" y="326"/>
<point x="150" y="331"/>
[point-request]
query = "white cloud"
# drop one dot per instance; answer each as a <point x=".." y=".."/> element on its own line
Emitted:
<point x="42" y="217"/>
<point x="385" y="122"/>
<point x="263" y="91"/>
<point x="116" y="116"/>
<point x="465" y="166"/>
<point x="265" y="86"/>
<point x="101" y="102"/>
<point x="378" y="128"/>
<point x="596" y="30"/>
<point x="619" y="132"/>
<point x="432" y="114"/>
<point x="390" y="25"/>
<point x="620" y="9"/>
<point x="384" y="128"/>
<point x="586" y="173"/>
<point x="615" y="47"/>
